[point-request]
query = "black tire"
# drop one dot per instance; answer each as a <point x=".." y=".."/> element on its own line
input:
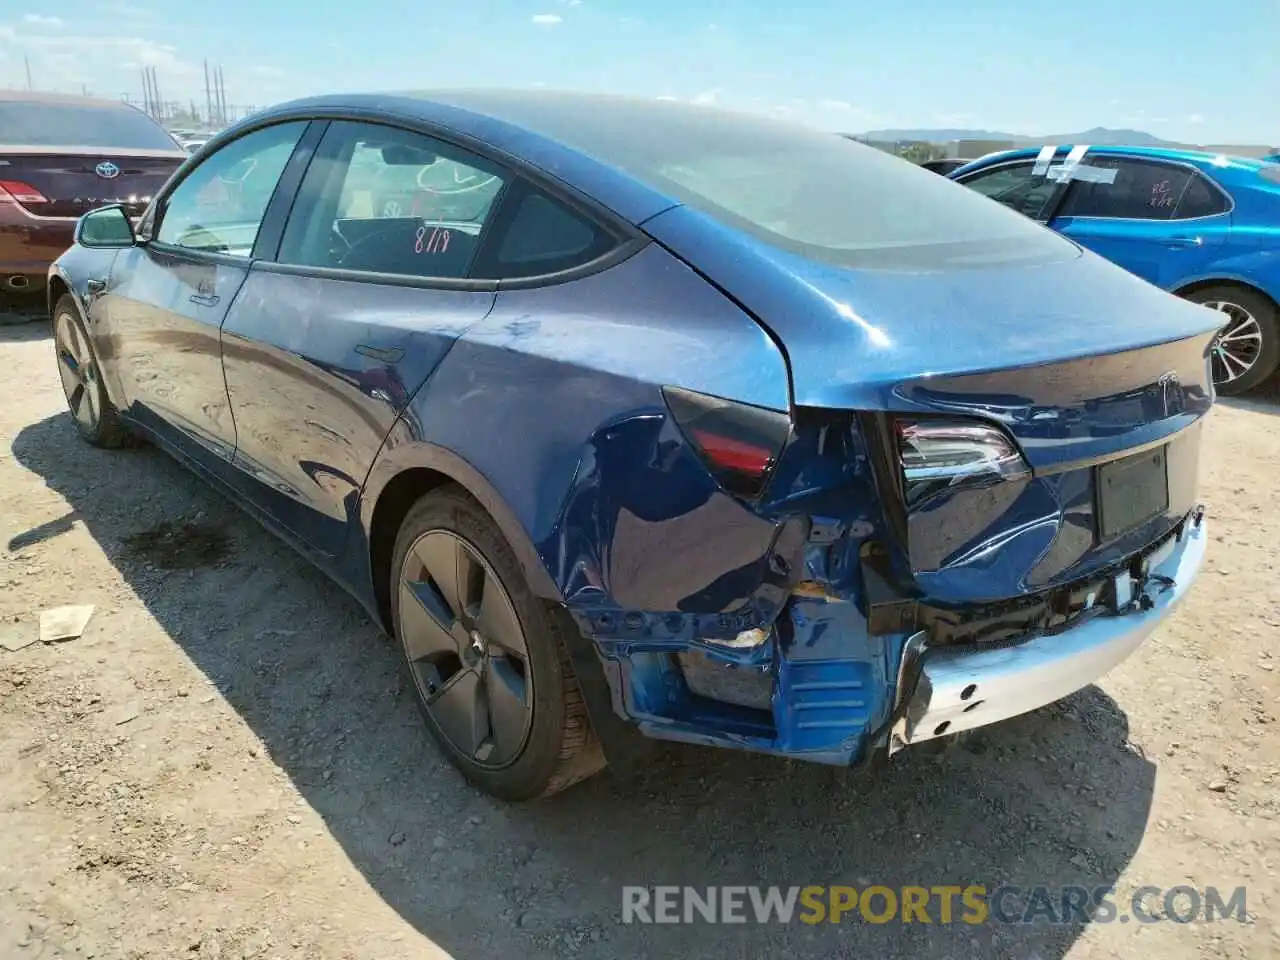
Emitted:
<point x="96" y="419"/>
<point x="1263" y="311"/>
<point x="559" y="747"/>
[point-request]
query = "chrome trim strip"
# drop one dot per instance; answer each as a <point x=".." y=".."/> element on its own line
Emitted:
<point x="961" y="688"/>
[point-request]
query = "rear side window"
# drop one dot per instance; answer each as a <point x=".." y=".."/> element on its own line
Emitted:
<point x="1142" y="190"/>
<point x="1200" y="199"/>
<point x="219" y="206"/>
<point x="382" y="200"/>
<point x="541" y="236"/>
<point x="54" y="124"/>
<point x="1017" y="187"/>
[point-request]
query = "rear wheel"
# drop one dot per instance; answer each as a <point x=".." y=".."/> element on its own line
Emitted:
<point x="1247" y="349"/>
<point x="91" y="410"/>
<point x="487" y="659"/>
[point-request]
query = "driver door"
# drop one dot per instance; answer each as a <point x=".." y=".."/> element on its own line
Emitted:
<point x="169" y="294"/>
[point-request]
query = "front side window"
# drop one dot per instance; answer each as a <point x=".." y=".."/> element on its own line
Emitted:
<point x="1141" y="190"/>
<point x="219" y="206"/>
<point x="1017" y="187"/>
<point x="383" y="200"/>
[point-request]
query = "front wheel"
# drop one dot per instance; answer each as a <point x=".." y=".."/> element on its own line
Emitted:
<point x="486" y="657"/>
<point x="1247" y="349"/>
<point x="94" y="415"/>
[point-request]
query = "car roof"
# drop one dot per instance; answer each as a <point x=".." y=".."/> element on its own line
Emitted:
<point x="1200" y="158"/>
<point x="44" y="97"/>
<point x="540" y="128"/>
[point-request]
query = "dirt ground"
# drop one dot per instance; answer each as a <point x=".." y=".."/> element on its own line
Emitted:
<point x="226" y="765"/>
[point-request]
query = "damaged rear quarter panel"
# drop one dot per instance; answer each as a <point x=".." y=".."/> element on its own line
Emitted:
<point x="555" y="398"/>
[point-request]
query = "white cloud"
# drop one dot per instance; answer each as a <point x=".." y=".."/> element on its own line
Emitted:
<point x="706" y="98"/>
<point x="547" y="19"/>
<point x="1194" y="118"/>
<point x="40" y="20"/>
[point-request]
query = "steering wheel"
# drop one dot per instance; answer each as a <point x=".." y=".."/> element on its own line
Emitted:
<point x="249" y="163"/>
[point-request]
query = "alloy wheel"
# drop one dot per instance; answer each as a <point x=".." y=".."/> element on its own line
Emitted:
<point x="466" y="648"/>
<point x="1238" y="344"/>
<point x="78" y="371"/>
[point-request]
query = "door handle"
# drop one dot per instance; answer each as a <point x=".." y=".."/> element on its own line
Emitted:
<point x="95" y="285"/>
<point x="204" y="300"/>
<point x="1184" y="242"/>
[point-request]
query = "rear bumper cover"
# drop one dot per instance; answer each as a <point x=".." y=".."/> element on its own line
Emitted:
<point x="958" y="688"/>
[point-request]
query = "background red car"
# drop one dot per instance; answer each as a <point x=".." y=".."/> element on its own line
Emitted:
<point x="62" y="156"/>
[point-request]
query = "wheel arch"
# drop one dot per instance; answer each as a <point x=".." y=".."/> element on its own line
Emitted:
<point x="408" y="471"/>
<point x="1205" y="283"/>
<point x="56" y="289"/>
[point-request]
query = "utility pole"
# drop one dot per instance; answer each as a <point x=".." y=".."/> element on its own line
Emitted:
<point x="208" y="96"/>
<point x="27" y="61"/>
<point x="155" y="89"/>
<point x="222" y="99"/>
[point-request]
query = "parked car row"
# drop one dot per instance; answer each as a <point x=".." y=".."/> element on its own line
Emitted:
<point x="628" y="416"/>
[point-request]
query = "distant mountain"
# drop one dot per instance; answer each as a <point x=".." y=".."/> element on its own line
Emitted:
<point x="938" y="136"/>
<point x="1098" y="136"/>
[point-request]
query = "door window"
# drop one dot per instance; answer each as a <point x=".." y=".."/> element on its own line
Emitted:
<point x="219" y="206"/>
<point x="542" y="236"/>
<point x="389" y="201"/>
<point x="1141" y="190"/>
<point x="1200" y="199"/>
<point x="1016" y="186"/>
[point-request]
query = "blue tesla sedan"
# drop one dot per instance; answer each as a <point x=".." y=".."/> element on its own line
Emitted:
<point x="627" y="415"/>
<point x="1200" y="225"/>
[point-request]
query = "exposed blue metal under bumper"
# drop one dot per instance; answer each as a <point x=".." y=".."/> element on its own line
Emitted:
<point x="960" y="688"/>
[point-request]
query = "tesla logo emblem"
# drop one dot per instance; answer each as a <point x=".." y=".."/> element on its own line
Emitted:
<point x="107" y="170"/>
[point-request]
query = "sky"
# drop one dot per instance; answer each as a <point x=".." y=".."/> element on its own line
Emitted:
<point x="1180" y="69"/>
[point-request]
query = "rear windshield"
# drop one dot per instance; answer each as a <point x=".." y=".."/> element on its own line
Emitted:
<point x="816" y="194"/>
<point x="76" y="125"/>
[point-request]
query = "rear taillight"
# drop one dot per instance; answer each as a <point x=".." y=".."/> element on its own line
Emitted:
<point x="738" y="443"/>
<point x="936" y="455"/>
<point x="23" y="193"/>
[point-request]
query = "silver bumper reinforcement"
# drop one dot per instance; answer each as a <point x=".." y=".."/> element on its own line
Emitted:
<point x="959" y="688"/>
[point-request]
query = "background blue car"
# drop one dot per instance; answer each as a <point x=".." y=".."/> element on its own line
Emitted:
<point x="1201" y="225"/>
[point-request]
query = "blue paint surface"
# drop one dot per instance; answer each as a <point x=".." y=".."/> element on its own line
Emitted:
<point x="313" y="399"/>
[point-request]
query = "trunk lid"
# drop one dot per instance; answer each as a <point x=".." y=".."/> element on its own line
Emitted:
<point x="1083" y="365"/>
<point x="68" y="182"/>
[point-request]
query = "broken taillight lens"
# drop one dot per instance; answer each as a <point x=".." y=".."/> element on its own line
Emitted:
<point x="738" y="443"/>
<point x="939" y="454"/>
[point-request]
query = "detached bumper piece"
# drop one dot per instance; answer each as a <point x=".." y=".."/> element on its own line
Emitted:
<point x="958" y="687"/>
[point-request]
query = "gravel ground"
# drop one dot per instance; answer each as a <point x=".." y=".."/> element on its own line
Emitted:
<point x="226" y="765"/>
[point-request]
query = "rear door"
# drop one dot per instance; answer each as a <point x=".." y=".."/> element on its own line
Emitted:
<point x="324" y="347"/>
<point x="1160" y="220"/>
<point x="168" y="295"/>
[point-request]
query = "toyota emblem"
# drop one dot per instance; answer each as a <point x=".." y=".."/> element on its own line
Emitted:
<point x="107" y="170"/>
